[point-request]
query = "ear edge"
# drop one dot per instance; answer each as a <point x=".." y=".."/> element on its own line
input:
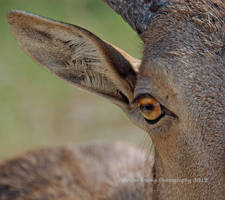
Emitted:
<point x="15" y="16"/>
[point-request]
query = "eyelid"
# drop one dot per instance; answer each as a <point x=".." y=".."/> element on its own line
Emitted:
<point x="140" y="96"/>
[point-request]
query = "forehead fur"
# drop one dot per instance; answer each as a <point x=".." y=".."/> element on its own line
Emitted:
<point x="184" y="49"/>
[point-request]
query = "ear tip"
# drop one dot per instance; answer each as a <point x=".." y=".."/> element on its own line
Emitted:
<point x="13" y="15"/>
<point x="17" y="16"/>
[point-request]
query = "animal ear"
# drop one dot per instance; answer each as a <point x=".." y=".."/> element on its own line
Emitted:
<point x="77" y="55"/>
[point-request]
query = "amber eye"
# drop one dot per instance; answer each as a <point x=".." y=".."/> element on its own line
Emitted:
<point x="150" y="108"/>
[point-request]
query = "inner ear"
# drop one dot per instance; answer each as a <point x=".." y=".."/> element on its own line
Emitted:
<point x="76" y="55"/>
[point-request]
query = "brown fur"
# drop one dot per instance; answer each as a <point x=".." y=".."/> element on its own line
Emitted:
<point x="92" y="171"/>
<point x="182" y="68"/>
<point x="187" y="71"/>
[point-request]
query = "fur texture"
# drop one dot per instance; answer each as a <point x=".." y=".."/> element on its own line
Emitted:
<point x="138" y="13"/>
<point x="93" y="171"/>
<point x="182" y="68"/>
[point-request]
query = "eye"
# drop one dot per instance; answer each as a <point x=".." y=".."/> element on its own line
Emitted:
<point x="150" y="108"/>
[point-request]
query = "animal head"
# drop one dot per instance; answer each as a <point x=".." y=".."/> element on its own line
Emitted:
<point x="176" y="93"/>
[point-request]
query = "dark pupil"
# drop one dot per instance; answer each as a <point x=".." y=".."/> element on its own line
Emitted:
<point x="149" y="107"/>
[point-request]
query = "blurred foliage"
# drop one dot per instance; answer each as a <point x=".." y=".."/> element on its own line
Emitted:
<point x="36" y="108"/>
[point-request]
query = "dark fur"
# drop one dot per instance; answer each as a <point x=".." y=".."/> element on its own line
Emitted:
<point x="138" y="13"/>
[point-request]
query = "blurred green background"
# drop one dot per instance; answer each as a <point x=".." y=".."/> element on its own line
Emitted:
<point x="38" y="109"/>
